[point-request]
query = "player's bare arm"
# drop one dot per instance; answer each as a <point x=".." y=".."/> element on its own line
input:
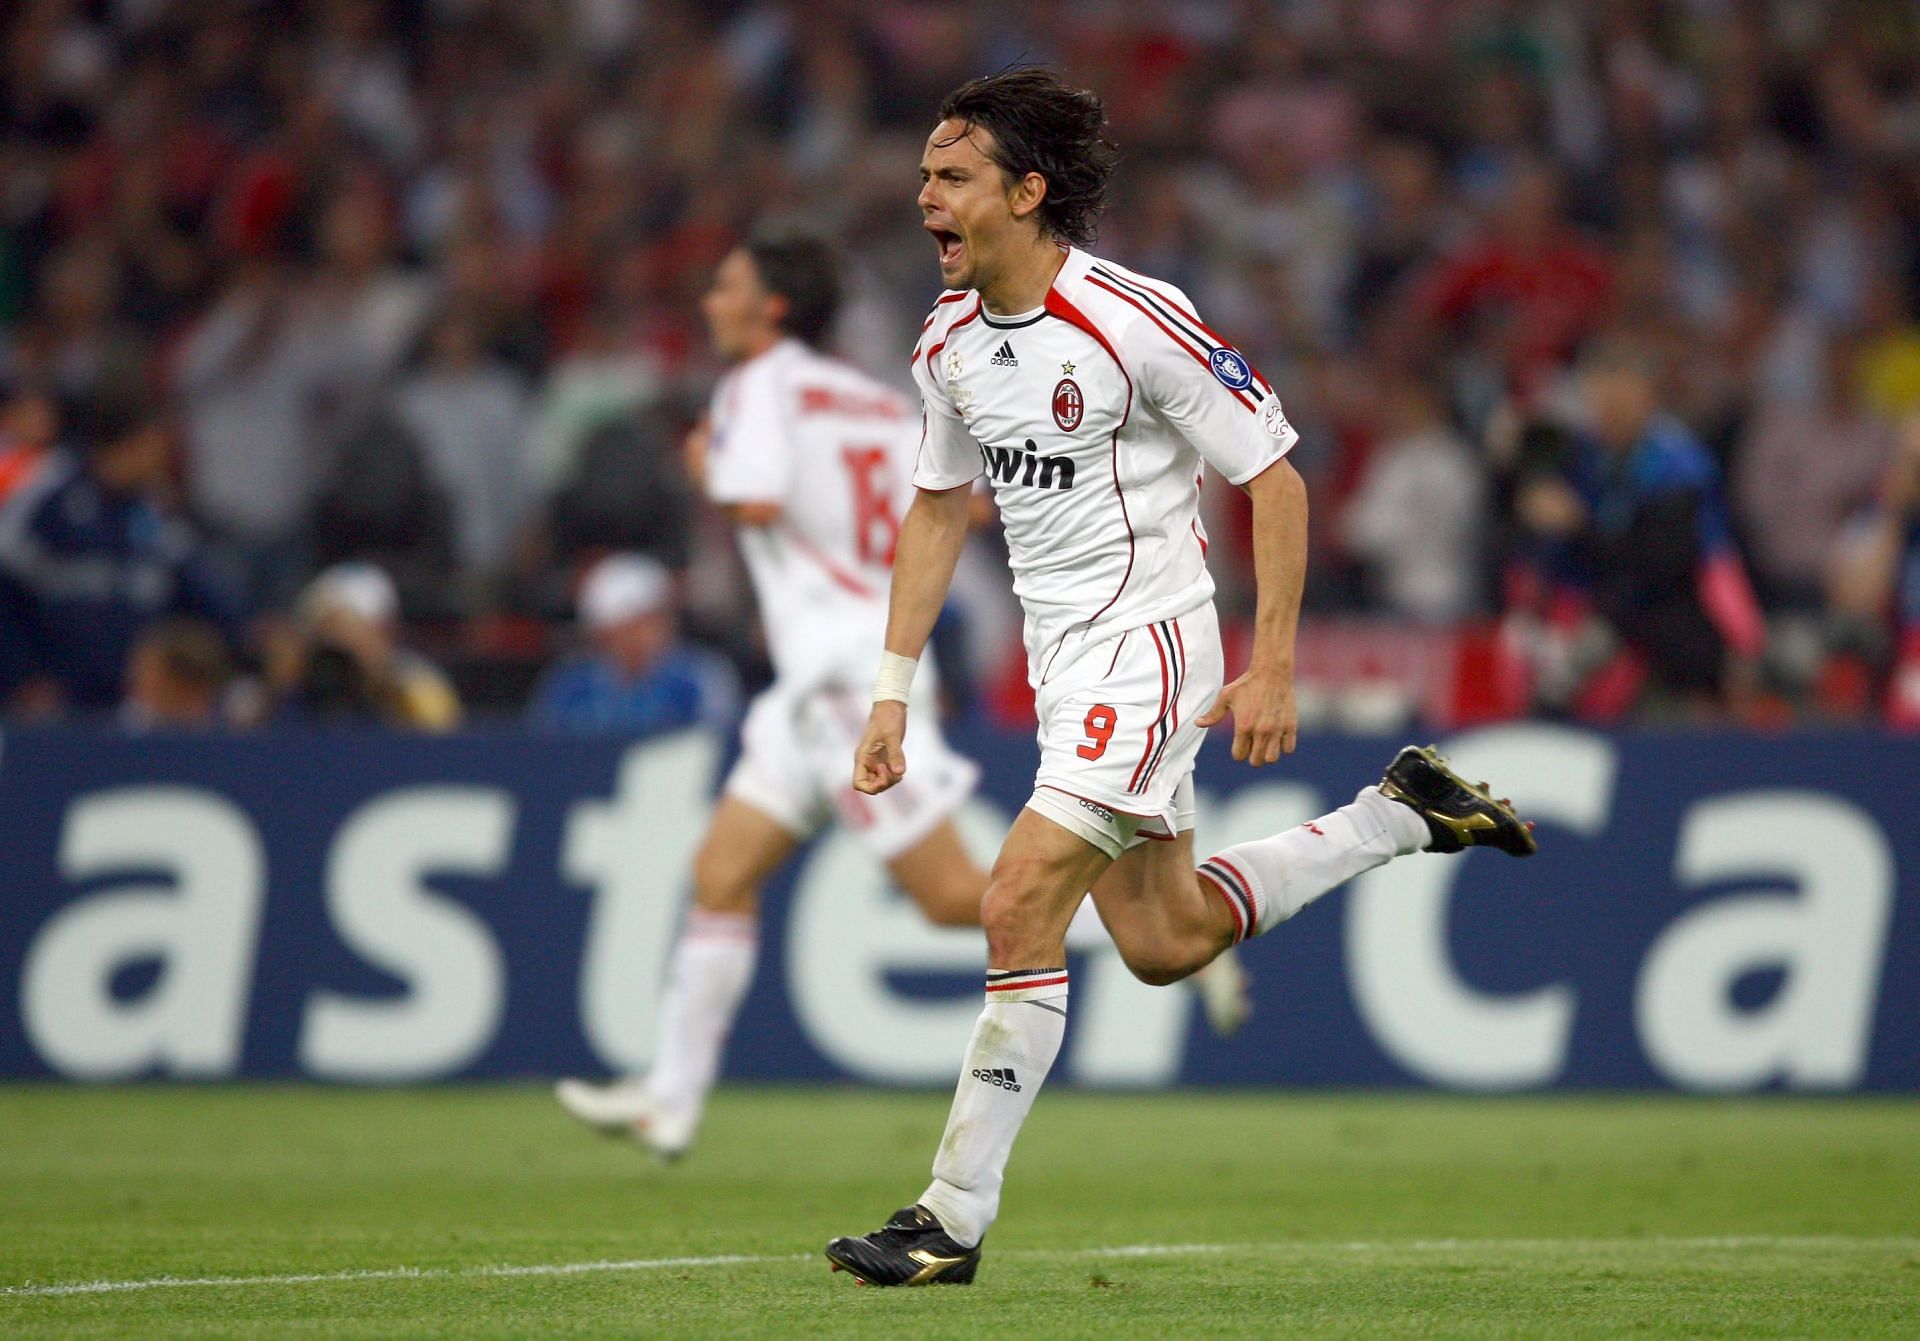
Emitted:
<point x="752" y="514"/>
<point x="1265" y="724"/>
<point x="931" y="537"/>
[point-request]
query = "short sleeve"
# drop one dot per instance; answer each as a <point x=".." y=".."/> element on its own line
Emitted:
<point x="750" y="457"/>
<point x="949" y="456"/>
<point x="1209" y="392"/>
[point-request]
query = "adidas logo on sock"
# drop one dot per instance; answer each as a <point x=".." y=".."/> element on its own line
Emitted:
<point x="1003" y="356"/>
<point x="1005" y="1079"/>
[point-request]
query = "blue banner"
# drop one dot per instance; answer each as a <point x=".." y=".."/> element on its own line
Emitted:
<point x="1708" y="912"/>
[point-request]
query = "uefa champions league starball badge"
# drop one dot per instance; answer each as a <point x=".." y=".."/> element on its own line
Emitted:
<point x="961" y="397"/>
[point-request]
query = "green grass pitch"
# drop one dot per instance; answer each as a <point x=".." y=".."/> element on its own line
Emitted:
<point x="470" y="1212"/>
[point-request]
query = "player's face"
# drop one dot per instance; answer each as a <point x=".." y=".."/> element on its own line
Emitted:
<point x="737" y="307"/>
<point x="965" y="202"/>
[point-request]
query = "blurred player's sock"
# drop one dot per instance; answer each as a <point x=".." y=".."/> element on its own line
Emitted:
<point x="626" y="1107"/>
<point x="1012" y="1049"/>
<point x="1270" y="879"/>
<point x="1087" y="931"/>
<point x="712" y="967"/>
<point x="1222" y="986"/>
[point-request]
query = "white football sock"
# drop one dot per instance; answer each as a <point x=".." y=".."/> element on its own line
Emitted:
<point x="706" y="982"/>
<point x="1087" y="931"/>
<point x="1013" y="1046"/>
<point x="1270" y="879"/>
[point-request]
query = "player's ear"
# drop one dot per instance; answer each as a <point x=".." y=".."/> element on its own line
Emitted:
<point x="778" y="309"/>
<point x="1025" y="196"/>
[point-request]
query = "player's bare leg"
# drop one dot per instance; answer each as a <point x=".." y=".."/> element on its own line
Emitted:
<point x="711" y="969"/>
<point x="1164" y="923"/>
<point x="742" y="848"/>
<point x="941" y="876"/>
<point x="1036" y="883"/>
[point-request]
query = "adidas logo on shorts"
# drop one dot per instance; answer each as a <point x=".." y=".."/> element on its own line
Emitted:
<point x="1106" y="816"/>
<point x="1006" y="1080"/>
<point x="1003" y="356"/>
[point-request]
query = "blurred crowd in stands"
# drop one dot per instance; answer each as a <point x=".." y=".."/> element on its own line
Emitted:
<point x="340" y="338"/>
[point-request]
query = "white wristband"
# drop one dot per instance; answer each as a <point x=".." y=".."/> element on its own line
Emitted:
<point x="895" y="679"/>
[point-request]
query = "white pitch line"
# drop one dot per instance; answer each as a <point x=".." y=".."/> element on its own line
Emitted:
<point x="1131" y="1250"/>
<point x="393" y="1273"/>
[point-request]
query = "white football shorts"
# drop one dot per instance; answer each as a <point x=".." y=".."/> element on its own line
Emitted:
<point x="796" y="767"/>
<point x="1117" y="732"/>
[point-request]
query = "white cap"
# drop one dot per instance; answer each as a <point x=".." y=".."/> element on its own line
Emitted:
<point x="362" y="589"/>
<point x="622" y="587"/>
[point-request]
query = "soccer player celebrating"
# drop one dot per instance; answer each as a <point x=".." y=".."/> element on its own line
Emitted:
<point x="811" y="460"/>
<point x="1091" y="396"/>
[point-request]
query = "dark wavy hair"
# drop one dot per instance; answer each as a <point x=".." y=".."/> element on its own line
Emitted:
<point x="1041" y="124"/>
<point x="800" y="268"/>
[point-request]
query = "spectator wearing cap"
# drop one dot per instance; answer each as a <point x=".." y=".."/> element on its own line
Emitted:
<point x="348" y="663"/>
<point x="636" y="677"/>
<point x="89" y="556"/>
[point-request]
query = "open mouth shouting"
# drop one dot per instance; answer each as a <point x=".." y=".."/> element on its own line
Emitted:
<point x="952" y="248"/>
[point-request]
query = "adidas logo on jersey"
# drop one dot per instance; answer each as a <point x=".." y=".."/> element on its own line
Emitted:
<point x="1005" y="1080"/>
<point x="1003" y="356"/>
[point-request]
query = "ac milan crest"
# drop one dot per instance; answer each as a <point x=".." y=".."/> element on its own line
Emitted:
<point x="1068" y="405"/>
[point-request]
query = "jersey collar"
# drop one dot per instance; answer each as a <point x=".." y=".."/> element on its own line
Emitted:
<point x="1073" y="268"/>
<point x="1009" y="323"/>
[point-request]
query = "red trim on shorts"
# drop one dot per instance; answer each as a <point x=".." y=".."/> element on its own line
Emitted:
<point x="1133" y="783"/>
<point x="1181" y="643"/>
<point x="1093" y="800"/>
<point x="1169" y="720"/>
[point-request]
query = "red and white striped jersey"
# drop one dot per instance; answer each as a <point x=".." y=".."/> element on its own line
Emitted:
<point x="1091" y="416"/>
<point x="834" y="449"/>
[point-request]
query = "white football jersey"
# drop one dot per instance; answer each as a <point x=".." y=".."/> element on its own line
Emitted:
<point x="834" y="449"/>
<point x="1091" y="416"/>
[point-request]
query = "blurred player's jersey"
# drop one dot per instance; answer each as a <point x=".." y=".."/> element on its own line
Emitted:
<point x="1091" y="416"/>
<point x="834" y="449"/>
